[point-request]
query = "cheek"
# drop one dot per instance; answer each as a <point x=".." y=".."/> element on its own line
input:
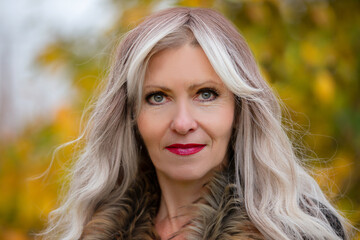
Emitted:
<point x="222" y="131"/>
<point x="144" y="126"/>
<point x="150" y="127"/>
<point x="220" y="124"/>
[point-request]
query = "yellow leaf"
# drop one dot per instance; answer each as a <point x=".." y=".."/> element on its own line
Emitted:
<point x="324" y="86"/>
<point x="131" y="17"/>
<point x="343" y="166"/>
<point x="53" y="56"/>
<point x="9" y="234"/>
<point x="310" y="53"/>
<point x="66" y="124"/>
<point x="321" y="14"/>
<point x="196" y="3"/>
<point x="256" y="12"/>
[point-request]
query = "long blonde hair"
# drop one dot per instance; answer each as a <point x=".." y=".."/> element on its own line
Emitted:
<point x="281" y="198"/>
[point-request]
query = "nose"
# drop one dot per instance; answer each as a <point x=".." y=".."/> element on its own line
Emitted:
<point x="183" y="120"/>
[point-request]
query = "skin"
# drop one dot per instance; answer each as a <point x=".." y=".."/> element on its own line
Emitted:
<point x="184" y="101"/>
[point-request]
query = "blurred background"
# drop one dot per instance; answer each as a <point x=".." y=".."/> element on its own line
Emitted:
<point x="54" y="53"/>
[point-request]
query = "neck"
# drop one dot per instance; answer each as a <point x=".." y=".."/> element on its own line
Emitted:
<point x="176" y="199"/>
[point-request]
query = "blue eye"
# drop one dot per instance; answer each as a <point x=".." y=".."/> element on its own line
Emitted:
<point x="207" y="94"/>
<point x="158" y="98"/>
<point x="155" y="98"/>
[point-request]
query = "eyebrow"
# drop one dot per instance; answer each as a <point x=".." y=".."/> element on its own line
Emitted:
<point x="191" y="87"/>
<point x="165" y="89"/>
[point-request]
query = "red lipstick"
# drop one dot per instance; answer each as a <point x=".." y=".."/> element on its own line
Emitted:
<point x="185" y="149"/>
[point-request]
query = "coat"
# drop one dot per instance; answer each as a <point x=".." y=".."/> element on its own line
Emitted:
<point x="222" y="214"/>
<point x="132" y="217"/>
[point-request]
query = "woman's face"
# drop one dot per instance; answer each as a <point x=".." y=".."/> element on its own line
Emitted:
<point x="187" y="113"/>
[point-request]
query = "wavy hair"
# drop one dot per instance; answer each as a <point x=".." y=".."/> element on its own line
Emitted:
<point x="281" y="198"/>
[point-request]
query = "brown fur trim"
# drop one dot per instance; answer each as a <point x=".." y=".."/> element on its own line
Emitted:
<point x="131" y="217"/>
<point x="221" y="216"/>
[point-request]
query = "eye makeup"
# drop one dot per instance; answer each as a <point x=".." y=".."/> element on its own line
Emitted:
<point x="206" y="94"/>
<point x="155" y="97"/>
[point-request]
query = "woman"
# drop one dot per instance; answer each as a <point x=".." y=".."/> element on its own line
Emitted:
<point x="186" y="142"/>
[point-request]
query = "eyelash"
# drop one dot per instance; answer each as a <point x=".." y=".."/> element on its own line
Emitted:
<point x="213" y="91"/>
<point x="151" y="94"/>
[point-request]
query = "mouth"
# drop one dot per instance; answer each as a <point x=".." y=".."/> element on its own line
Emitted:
<point x="185" y="149"/>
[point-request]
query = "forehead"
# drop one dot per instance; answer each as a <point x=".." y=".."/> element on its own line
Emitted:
<point x="185" y="64"/>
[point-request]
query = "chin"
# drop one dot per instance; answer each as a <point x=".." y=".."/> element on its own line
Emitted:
<point x="190" y="175"/>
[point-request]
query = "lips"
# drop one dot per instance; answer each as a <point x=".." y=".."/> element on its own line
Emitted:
<point x="185" y="149"/>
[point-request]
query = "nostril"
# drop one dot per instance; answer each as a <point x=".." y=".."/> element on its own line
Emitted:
<point x="183" y="120"/>
<point x="183" y="126"/>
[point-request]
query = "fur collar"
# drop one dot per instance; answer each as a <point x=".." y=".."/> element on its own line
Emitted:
<point x="221" y="216"/>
